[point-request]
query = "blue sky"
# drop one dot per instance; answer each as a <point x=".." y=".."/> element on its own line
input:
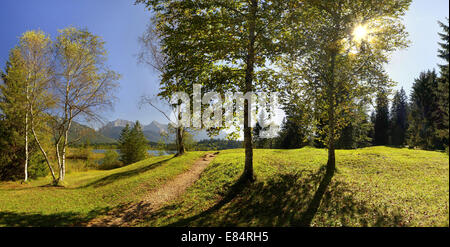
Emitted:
<point x="421" y="23"/>
<point x="120" y="23"/>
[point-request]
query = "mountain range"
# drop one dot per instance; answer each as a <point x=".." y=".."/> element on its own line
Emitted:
<point x="110" y="132"/>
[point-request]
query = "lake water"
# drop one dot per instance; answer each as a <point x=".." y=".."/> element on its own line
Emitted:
<point x="151" y="152"/>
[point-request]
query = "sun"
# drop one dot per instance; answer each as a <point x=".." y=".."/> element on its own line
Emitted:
<point x="360" y="33"/>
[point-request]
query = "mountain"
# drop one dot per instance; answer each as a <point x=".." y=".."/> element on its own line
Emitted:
<point x="151" y="131"/>
<point x="113" y="129"/>
<point x="154" y="130"/>
<point x="156" y="127"/>
<point x="79" y="134"/>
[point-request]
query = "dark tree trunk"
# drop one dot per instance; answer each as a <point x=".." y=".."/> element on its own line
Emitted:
<point x="250" y="63"/>
<point x="180" y="143"/>
<point x="331" y="164"/>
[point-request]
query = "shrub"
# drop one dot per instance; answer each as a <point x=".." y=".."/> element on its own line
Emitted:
<point x="79" y="153"/>
<point x="111" y="160"/>
<point x="38" y="167"/>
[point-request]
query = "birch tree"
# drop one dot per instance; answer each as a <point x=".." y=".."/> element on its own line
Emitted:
<point x="29" y="75"/>
<point x="83" y="85"/>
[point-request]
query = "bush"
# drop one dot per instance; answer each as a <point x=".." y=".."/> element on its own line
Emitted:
<point x="37" y="166"/>
<point x="111" y="160"/>
<point x="79" y="153"/>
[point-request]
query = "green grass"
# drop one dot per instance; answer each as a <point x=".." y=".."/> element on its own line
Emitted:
<point x="376" y="186"/>
<point x="87" y="194"/>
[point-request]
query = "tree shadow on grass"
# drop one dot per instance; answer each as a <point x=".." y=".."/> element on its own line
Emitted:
<point x="126" y="174"/>
<point x="13" y="219"/>
<point x="303" y="198"/>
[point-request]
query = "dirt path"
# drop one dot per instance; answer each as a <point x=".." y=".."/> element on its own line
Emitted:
<point x="130" y="214"/>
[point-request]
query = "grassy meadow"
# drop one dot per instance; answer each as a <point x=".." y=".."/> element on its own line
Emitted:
<point x="86" y="194"/>
<point x="375" y="186"/>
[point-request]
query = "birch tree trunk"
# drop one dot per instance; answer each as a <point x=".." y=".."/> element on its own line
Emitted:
<point x="26" y="134"/>
<point x="47" y="160"/>
<point x="58" y="157"/>
<point x="63" y="155"/>
<point x="26" y="148"/>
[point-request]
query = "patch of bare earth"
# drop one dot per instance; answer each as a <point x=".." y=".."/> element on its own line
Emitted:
<point x="130" y="214"/>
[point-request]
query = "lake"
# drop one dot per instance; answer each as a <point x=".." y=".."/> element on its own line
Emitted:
<point x="151" y="152"/>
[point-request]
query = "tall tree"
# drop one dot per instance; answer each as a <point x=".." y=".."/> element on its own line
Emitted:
<point x="381" y="127"/>
<point x="443" y="85"/>
<point x="12" y="155"/>
<point x="348" y="42"/>
<point x="152" y="55"/>
<point x="83" y="85"/>
<point x="399" y="118"/>
<point x="424" y="105"/>
<point x="225" y="45"/>
<point x="295" y="130"/>
<point x="28" y="79"/>
<point x="123" y="144"/>
<point x="13" y="110"/>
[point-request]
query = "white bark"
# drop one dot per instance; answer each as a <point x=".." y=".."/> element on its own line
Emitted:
<point x="40" y="146"/>
<point x="26" y="148"/>
<point x="26" y="135"/>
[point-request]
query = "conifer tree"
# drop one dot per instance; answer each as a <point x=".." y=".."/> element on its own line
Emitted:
<point x="381" y="120"/>
<point x="443" y="85"/>
<point x="132" y="144"/>
<point x="424" y="105"/>
<point x="399" y="118"/>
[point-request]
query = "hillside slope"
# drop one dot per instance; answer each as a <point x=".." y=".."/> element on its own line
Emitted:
<point x="376" y="186"/>
<point x="88" y="194"/>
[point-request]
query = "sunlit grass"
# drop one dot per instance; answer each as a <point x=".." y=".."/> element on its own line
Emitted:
<point x="86" y="194"/>
<point x="377" y="186"/>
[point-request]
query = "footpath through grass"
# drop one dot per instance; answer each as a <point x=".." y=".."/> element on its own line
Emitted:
<point x="87" y="194"/>
<point x="376" y="186"/>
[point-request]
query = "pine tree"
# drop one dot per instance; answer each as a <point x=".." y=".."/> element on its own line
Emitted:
<point x="399" y="118"/>
<point x="132" y="144"/>
<point x="12" y="112"/>
<point x="381" y="120"/>
<point x="443" y="85"/>
<point x="294" y="131"/>
<point x="424" y="105"/>
<point x="257" y="140"/>
<point x="124" y="146"/>
<point x="139" y="143"/>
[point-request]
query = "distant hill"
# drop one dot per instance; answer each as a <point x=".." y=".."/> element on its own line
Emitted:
<point x="80" y="134"/>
